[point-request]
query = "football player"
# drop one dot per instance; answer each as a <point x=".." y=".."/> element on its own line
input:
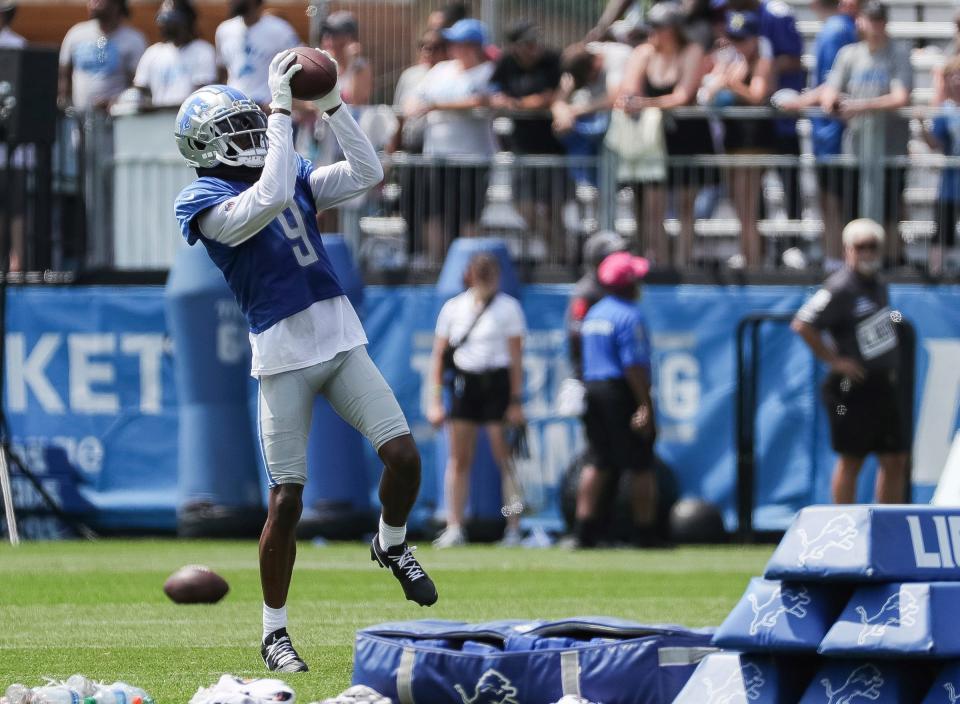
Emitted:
<point x="253" y="208"/>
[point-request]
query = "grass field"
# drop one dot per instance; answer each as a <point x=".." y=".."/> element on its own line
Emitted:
<point x="98" y="608"/>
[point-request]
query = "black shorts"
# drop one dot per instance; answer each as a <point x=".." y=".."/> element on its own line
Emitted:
<point x="865" y="417"/>
<point x="456" y="194"/>
<point x="844" y="183"/>
<point x="480" y="398"/>
<point x="948" y="212"/>
<point x="612" y="444"/>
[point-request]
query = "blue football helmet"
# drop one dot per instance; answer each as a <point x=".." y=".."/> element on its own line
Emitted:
<point x="220" y="125"/>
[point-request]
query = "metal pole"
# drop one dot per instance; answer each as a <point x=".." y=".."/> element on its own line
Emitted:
<point x="7" y="492"/>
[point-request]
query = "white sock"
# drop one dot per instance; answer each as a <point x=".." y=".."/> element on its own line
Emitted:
<point x="390" y="536"/>
<point x="273" y="619"/>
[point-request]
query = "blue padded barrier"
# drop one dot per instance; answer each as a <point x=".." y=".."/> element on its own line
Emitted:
<point x="870" y="544"/>
<point x="784" y="617"/>
<point x="533" y="662"/>
<point x="728" y="678"/>
<point x="873" y="681"/>
<point x="901" y="620"/>
<point x="946" y="688"/>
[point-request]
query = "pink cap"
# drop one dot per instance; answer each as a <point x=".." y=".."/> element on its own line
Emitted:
<point x="622" y="269"/>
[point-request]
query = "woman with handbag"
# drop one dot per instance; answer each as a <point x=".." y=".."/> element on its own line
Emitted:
<point x="477" y="354"/>
<point x="662" y="74"/>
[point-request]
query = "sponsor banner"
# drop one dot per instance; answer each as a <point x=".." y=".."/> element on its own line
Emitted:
<point x="693" y="331"/>
<point x="946" y="688"/>
<point x="876" y="681"/>
<point x="870" y="543"/>
<point x="89" y="395"/>
<point x="781" y="617"/>
<point x="916" y="619"/>
<point x="89" y="370"/>
<point x="732" y="678"/>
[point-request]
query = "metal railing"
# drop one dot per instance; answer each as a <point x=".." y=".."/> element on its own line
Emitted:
<point x="758" y="212"/>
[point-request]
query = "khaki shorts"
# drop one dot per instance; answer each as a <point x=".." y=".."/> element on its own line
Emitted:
<point x="355" y="389"/>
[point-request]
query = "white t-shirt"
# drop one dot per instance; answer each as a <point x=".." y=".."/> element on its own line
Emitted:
<point x="102" y="64"/>
<point x="456" y="131"/>
<point x="246" y="52"/>
<point x="10" y="39"/>
<point x="173" y="73"/>
<point x="309" y="337"/>
<point x="486" y="347"/>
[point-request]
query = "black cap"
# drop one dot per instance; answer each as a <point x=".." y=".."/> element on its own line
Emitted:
<point x="522" y="31"/>
<point x="341" y="22"/>
<point x="664" y="14"/>
<point x="7" y="5"/>
<point x="874" y="10"/>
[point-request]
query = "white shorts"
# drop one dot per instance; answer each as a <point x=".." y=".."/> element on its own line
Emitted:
<point x="355" y="389"/>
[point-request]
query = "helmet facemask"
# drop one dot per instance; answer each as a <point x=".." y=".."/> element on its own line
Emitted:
<point x="241" y="138"/>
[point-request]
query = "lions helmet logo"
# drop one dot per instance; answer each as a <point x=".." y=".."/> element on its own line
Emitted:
<point x="782" y="601"/>
<point x="951" y="693"/>
<point x="898" y="611"/>
<point x="865" y="683"/>
<point x="491" y="688"/>
<point x="839" y="533"/>
<point x="743" y="685"/>
<point x="736" y="21"/>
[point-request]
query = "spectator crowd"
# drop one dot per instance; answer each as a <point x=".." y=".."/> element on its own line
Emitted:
<point x="622" y="88"/>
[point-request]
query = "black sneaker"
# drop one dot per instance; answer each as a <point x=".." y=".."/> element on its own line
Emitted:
<point x="417" y="586"/>
<point x="278" y="653"/>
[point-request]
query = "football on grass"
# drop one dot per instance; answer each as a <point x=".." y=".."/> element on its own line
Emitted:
<point x="316" y="78"/>
<point x="195" y="584"/>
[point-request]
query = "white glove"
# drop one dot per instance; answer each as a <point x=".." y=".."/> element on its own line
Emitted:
<point x="332" y="99"/>
<point x="280" y="73"/>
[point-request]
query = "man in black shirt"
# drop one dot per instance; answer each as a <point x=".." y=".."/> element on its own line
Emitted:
<point x="523" y="85"/>
<point x="860" y="391"/>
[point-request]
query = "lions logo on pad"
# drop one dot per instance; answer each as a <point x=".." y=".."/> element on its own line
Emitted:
<point x="839" y="533"/>
<point x="898" y="610"/>
<point x="864" y="683"/>
<point x="782" y="601"/>
<point x="492" y="688"/>
<point x="742" y="685"/>
<point x="951" y="693"/>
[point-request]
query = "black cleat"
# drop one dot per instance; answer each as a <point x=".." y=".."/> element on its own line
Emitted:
<point x="417" y="586"/>
<point x="278" y="653"/>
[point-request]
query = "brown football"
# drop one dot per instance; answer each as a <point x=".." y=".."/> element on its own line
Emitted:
<point x="195" y="584"/>
<point x="317" y="77"/>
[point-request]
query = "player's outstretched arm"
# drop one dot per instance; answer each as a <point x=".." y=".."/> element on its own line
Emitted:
<point x="237" y="219"/>
<point x="361" y="170"/>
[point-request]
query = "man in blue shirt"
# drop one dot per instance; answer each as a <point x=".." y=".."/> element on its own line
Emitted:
<point x="839" y="29"/>
<point x="619" y="419"/>
<point x="253" y="207"/>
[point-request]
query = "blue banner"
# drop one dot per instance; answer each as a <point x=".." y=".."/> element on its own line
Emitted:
<point x="693" y="330"/>
<point x="89" y="370"/>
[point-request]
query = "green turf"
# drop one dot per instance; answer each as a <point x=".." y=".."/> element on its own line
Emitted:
<point x="98" y="608"/>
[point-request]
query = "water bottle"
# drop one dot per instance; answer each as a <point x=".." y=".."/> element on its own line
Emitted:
<point x="83" y="686"/>
<point x="56" y="694"/>
<point x="128" y="694"/>
<point x="18" y="694"/>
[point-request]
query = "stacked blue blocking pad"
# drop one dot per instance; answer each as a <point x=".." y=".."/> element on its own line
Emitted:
<point x="876" y="586"/>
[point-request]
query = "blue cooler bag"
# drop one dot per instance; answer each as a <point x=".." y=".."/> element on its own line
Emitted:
<point x="527" y="662"/>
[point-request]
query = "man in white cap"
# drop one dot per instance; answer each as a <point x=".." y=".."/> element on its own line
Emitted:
<point x="8" y="38"/>
<point x="860" y="392"/>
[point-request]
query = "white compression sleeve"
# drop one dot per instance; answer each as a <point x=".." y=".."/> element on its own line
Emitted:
<point x="237" y="219"/>
<point x="360" y="172"/>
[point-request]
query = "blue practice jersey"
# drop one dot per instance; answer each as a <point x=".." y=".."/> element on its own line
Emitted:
<point x="278" y="272"/>
<point x="615" y="337"/>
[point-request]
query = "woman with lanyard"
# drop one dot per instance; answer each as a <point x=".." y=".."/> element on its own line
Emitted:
<point x="481" y="332"/>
